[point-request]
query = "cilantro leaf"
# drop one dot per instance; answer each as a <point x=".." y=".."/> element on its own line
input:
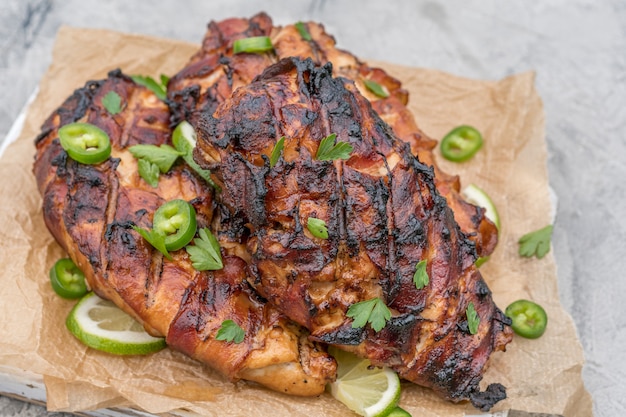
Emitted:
<point x="376" y="88"/>
<point x="157" y="88"/>
<point x="420" y="278"/>
<point x="317" y="227"/>
<point x="205" y="255"/>
<point x="112" y="102"/>
<point x="149" y="172"/>
<point x="536" y="243"/>
<point x="303" y="31"/>
<point x="372" y="311"/>
<point x="162" y="156"/>
<point x="472" y="318"/>
<point x="278" y="148"/>
<point x="156" y="239"/>
<point x="329" y="150"/>
<point x="230" y="332"/>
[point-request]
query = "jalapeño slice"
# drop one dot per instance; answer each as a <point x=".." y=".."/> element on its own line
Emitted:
<point x="461" y="143"/>
<point x="529" y="319"/>
<point x="176" y="220"/>
<point x="67" y="280"/>
<point x="85" y="143"/>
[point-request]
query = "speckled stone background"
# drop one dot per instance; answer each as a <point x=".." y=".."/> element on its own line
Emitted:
<point x="577" y="48"/>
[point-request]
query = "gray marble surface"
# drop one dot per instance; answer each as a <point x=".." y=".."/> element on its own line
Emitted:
<point x="577" y="48"/>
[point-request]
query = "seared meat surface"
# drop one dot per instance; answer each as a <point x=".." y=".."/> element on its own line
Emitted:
<point x="386" y="208"/>
<point x="90" y="210"/>
<point x="383" y="213"/>
<point x="213" y="73"/>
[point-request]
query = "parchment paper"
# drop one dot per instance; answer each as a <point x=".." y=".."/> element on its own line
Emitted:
<point x="541" y="375"/>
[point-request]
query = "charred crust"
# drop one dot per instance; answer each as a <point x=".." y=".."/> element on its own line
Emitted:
<point x="344" y="335"/>
<point x="484" y="400"/>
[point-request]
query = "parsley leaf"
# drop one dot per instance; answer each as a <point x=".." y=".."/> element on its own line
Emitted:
<point x="205" y="255"/>
<point x="372" y="311"/>
<point x="112" y="102"/>
<point x="156" y="239"/>
<point x="472" y="318"/>
<point x="420" y="278"/>
<point x="376" y="88"/>
<point x="303" y="31"/>
<point x="184" y="140"/>
<point x="329" y="151"/>
<point x="317" y="227"/>
<point x="536" y="243"/>
<point x="278" y="148"/>
<point x="149" y="172"/>
<point x="160" y="89"/>
<point x="230" y="332"/>
<point x="162" y="156"/>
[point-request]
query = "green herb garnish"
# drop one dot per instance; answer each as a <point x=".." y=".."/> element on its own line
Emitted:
<point x="376" y="88"/>
<point x="160" y="89"/>
<point x="205" y="255"/>
<point x="472" y="318"/>
<point x="149" y="172"/>
<point x="420" y="278"/>
<point x="278" y="148"/>
<point x="112" y="102"/>
<point x="254" y="45"/>
<point x="304" y="33"/>
<point x="151" y="156"/>
<point x="317" y="227"/>
<point x="230" y="332"/>
<point x="536" y="243"/>
<point x="329" y="150"/>
<point x="162" y="156"/>
<point x="156" y="239"/>
<point x="373" y="311"/>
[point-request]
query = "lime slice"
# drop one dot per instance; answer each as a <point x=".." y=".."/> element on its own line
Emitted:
<point x="367" y="390"/>
<point x="399" y="412"/>
<point x="101" y="325"/>
<point x="473" y="194"/>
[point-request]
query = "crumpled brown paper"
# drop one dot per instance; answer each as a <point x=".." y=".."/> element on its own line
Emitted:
<point x="541" y="375"/>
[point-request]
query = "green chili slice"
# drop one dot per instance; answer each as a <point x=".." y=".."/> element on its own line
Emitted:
<point x="67" y="280"/>
<point x="254" y="45"/>
<point x="85" y="143"/>
<point x="529" y="319"/>
<point x="461" y="143"/>
<point x="176" y="220"/>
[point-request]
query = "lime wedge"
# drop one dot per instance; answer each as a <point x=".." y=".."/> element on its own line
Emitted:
<point x="101" y="325"/>
<point x="473" y="194"/>
<point x="367" y="390"/>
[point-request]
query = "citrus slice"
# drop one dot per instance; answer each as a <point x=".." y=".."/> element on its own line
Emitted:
<point x="399" y="412"/>
<point x="367" y="390"/>
<point x="473" y="194"/>
<point x="101" y="325"/>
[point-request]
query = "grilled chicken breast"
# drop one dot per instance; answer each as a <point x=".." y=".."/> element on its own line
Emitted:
<point x="90" y="210"/>
<point x="214" y="72"/>
<point x="290" y="291"/>
<point x="383" y="214"/>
